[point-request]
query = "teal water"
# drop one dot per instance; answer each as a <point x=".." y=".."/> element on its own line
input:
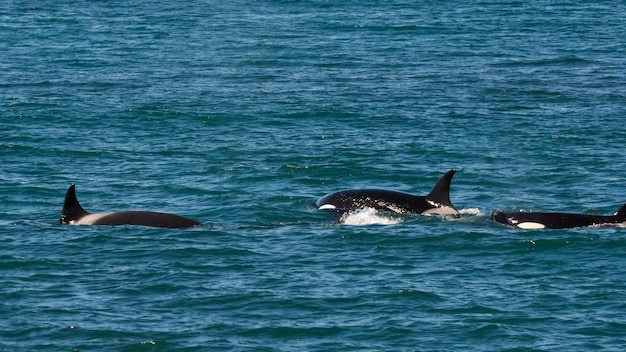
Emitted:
<point x="241" y="114"/>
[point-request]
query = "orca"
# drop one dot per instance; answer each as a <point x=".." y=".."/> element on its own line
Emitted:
<point x="536" y="220"/>
<point x="436" y="202"/>
<point x="74" y="214"/>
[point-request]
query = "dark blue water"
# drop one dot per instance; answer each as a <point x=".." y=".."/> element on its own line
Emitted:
<point x="242" y="114"/>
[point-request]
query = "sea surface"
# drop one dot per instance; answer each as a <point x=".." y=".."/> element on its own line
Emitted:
<point x="241" y="114"/>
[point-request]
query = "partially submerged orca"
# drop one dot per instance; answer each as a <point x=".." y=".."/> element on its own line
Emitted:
<point x="74" y="214"/>
<point x="532" y="220"/>
<point x="436" y="202"/>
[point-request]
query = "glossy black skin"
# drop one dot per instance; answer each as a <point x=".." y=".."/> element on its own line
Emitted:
<point x="559" y="220"/>
<point x="398" y="202"/>
<point x="146" y="218"/>
<point x="73" y="213"/>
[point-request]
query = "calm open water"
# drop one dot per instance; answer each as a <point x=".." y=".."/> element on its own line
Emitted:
<point x="240" y="114"/>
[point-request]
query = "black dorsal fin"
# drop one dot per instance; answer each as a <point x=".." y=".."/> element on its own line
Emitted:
<point x="620" y="215"/>
<point x="441" y="192"/>
<point x="71" y="208"/>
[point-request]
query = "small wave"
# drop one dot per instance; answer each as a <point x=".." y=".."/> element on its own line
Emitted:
<point x="371" y="216"/>
<point x="368" y="216"/>
<point x="471" y="211"/>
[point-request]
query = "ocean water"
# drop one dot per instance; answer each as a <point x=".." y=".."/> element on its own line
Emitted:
<point x="241" y="114"/>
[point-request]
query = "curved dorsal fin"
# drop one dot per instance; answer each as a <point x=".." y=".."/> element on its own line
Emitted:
<point x="620" y="215"/>
<point x="71" y="208"/>
<point x="441" y="192"/>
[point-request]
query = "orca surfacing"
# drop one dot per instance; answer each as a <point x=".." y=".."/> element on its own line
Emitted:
<point x="73" y="213"/>
<point x="436" y="202"/>
<point x="536" y="220"/>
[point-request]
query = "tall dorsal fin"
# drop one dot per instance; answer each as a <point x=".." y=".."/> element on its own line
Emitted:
<point x="620" y="215"/>
<point x="441" y="192"/>
<point x="71" y="208"/>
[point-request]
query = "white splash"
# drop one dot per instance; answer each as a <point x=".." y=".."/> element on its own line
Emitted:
<point x="471" y="211"/>
<point x="367" y="216"/>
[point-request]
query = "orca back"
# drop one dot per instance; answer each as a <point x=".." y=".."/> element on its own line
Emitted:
<point x="145" y="218"/>
<point x="436" y="202"/>
<point x="558" y="220"/>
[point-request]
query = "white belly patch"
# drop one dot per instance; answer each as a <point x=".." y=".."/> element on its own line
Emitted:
<point x="530" y="225"/>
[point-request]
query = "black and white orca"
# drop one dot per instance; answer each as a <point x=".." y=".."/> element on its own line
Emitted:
<point x="533" y="220"/>
<point x="436" y="202"/>
<point x="74" y="214"/>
